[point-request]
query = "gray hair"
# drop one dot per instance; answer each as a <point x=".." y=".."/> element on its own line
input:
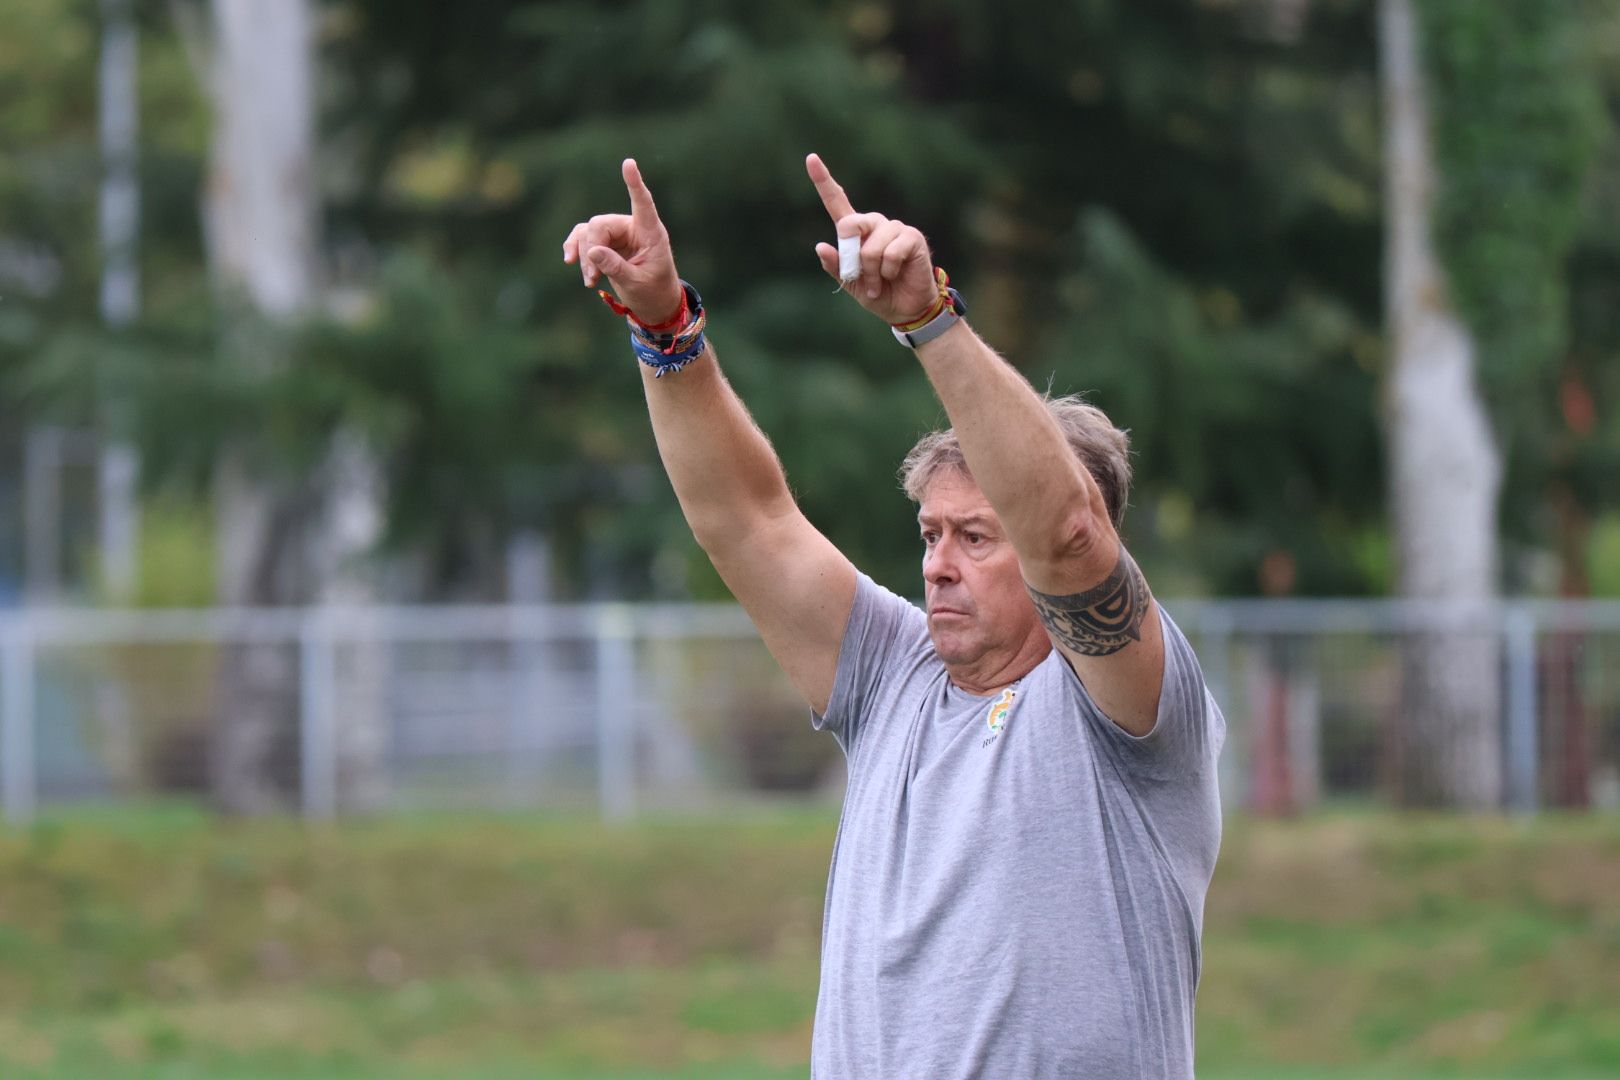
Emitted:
<point x="1100" y="446"/>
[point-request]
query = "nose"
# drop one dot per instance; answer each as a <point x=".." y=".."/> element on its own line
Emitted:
<point x="939" y="567"/>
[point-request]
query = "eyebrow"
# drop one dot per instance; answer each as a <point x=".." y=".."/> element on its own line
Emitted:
<point x="980" y="520"/>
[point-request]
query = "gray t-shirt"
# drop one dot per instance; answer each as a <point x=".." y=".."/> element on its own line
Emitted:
<point x="1014" y="892"/>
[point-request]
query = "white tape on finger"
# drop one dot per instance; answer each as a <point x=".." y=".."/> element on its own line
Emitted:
<point x="849" y="258"/>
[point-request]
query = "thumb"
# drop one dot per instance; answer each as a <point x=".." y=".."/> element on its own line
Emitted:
<point x="829" y="259"/>
<point x="607" y="260"/>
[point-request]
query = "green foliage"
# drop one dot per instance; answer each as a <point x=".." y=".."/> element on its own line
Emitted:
<point x="1185" y="212"/>
<point x="176" y="549"/>
<point x="1170" y="204"/>
<point x="1227" y="411"/>
<point x="57" y="363"/>
<point x="1604" y="557"/>
<point x="1519" y="118"/>
<point x="479" y="152"/>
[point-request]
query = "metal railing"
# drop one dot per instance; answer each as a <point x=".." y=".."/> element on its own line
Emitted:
<point x="624" y="708"/>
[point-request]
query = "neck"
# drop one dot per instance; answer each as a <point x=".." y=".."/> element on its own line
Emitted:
<point x="989" y="674"/>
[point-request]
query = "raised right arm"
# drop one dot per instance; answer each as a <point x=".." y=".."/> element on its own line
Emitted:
<point x="795" y="585"/>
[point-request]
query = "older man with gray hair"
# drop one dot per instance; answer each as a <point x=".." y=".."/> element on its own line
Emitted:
<point x="1032" y="818"/>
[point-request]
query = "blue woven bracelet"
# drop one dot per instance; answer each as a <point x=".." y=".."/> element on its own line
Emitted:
<point x="650" y="348"/>
<point x="663" y="362"/>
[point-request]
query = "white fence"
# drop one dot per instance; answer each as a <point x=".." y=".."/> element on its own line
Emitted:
<point x="627" y="708"/>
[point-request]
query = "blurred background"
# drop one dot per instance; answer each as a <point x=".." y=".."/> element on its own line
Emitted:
<point x="367" y="710"/>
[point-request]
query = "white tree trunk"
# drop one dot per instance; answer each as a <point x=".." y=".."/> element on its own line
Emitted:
<point x="280" y="542"/>
<point x="1445" y="468"/>
<point x="118" y="472"/>
<point x="118" y="117"/>
<point x="259" y="210"/>
<point x="260" y="203"/>
<point x="352" y="526"/>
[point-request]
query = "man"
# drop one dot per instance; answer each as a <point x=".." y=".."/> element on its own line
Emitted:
<point x="1031" y="819"/>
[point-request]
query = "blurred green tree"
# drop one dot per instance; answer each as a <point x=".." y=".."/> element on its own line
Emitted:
<point x="58" y="365"/>
<point x="1520" y="118"/>
<point x="946" y="119"/>
<point x="477" y="135"/>
<point x="1493" y="114"/>
<point x="1173" y="205"/>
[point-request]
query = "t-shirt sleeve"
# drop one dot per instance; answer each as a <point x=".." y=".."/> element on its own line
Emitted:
<point x="1187" y="733"/>
<point x="883" y="631"/>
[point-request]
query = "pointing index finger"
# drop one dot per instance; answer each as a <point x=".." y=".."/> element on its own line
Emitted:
<point x="832" y="195"/>
<point x="641" y="200"/>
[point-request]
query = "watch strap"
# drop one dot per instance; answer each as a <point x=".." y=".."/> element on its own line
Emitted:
<point x="928" y="331"/>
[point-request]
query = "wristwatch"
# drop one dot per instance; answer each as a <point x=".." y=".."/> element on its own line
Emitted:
<point x="928" y="331"/>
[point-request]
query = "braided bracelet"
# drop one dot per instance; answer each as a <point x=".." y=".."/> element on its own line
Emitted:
<point x="670" y="345"/>
<point x="947" y="308"/>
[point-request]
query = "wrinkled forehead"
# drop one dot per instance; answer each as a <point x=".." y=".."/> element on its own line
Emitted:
<point x="954" y="498"/>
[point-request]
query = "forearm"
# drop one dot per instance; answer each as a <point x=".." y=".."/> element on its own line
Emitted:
<point x="726" y="475"/>
<point x="1015" y="450"/>
<point x="724" y="471"/>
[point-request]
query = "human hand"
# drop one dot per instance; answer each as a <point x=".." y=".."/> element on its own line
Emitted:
<point x="633" y="251"/>
<point x="896" y="282"/>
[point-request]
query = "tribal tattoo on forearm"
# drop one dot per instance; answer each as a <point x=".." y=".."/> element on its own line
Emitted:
<point x="1103" y="619"/>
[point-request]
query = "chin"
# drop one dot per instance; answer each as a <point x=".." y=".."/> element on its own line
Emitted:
<point x="953" y="650"/>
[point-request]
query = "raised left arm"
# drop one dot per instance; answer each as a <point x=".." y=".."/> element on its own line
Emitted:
<point x="1086" y="587"/>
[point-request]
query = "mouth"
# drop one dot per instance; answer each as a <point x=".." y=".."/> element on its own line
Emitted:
<point x="946" y="611"/>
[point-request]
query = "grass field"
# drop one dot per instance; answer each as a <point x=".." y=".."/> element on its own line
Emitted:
<point x="163" y="945"/>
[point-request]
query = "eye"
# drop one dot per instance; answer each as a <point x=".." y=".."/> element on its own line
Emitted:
<point x="975" y="538"/>
<point x="929" y="538"/>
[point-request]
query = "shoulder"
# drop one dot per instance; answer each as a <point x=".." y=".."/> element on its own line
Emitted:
<point x="884" y="656"/>
<point x="1187" y="729"/>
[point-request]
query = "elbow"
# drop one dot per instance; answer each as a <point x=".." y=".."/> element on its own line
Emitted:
<point x="710" y="530"/>
<point x="1081" y="524"/>
<point x="718" y="536"/>
<point x="722" y="533"/>
<point x="1073" y="538"/>
<point x="1079" y="534"/>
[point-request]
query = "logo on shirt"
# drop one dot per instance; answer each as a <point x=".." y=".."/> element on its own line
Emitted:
<point x="996" y="718"/>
